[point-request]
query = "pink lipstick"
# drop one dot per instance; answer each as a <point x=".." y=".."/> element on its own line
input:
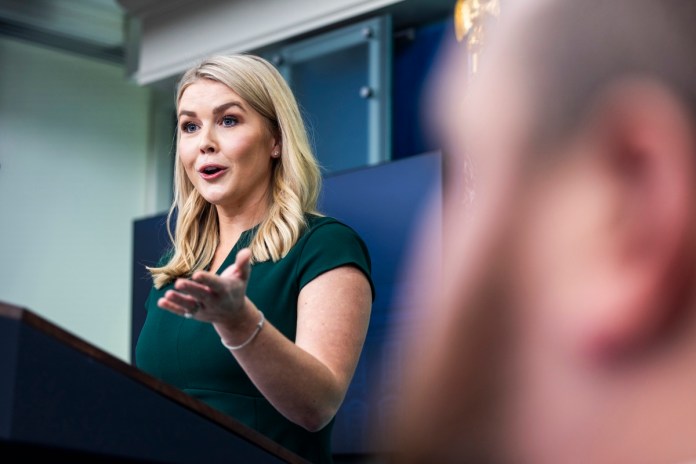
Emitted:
<point x="211" y="171"/>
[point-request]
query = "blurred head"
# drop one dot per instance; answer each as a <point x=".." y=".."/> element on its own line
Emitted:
<point x="565" y="322"/>
<point x="295" y="178"/>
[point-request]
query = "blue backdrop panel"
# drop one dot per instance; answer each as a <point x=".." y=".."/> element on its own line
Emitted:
<point x="150" y="240"/>
<point x="415" y="59"/>
<point x="386" y="205"/>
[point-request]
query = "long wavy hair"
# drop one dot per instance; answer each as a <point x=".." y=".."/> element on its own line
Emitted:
<point x="192" y="222"/>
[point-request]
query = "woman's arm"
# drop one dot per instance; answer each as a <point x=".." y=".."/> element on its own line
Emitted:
<point x="305" y="381"/>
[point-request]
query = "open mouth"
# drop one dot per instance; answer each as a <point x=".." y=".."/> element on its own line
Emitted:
<point x="211" y="170"/>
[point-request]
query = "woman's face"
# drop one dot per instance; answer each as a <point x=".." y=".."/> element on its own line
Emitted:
<point x="225" y="146"/>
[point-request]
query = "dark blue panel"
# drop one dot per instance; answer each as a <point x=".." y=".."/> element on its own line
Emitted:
<point x="150" y="241"/>
<point x="385" y="204"/>
<point x="414" y="60"/>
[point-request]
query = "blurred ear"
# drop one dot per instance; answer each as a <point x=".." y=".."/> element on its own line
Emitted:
<point x="647" y="137"/>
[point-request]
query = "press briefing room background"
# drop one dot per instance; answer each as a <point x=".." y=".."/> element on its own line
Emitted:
<point x="86" y="145"/>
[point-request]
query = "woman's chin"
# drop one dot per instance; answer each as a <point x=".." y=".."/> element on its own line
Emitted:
<point x="215" y="200"/>
<point x="215" y="196"/>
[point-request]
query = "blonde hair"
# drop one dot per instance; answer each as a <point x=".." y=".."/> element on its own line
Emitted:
<point x="295" y="177"/>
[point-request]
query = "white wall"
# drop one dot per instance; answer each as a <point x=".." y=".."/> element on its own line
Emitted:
<point x="73" y="149"/>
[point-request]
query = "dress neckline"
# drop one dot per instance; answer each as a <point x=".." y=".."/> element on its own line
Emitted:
<point x="243" y="240"/>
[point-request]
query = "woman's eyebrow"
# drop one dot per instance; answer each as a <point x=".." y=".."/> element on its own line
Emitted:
<point x="216" y="111"/>
<point x="219" y="109"/>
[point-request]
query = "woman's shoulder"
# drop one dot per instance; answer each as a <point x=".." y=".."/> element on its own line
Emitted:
<point x="315" y="220"/>
<point x="330" y="232"/>
<point x="321" y="224"/>
<point x="329" y="243"/>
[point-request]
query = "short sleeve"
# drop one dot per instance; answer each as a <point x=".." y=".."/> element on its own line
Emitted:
<point x="329" y="246"/>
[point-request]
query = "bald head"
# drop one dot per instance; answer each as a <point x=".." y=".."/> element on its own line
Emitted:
<point x="571" y="51"/>
<point x="565" y="317"/>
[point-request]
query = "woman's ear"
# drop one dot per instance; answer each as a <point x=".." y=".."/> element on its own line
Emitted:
<point x="277" y="148"/>
<point x="648" y="137"/>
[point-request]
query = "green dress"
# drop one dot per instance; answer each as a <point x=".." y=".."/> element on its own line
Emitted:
<point x="188" y="354"/>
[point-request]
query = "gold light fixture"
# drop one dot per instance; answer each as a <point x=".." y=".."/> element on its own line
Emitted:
<point x="471" y="21"/>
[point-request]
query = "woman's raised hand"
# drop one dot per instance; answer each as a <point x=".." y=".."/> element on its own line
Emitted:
<point x="209" y="297"/>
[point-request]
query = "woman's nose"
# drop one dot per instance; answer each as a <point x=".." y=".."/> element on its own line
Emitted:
<point x="208" y="142"/>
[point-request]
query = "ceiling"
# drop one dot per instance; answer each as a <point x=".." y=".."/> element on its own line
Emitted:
<point x="89" y="27"/>
<point x="97" y="28"/>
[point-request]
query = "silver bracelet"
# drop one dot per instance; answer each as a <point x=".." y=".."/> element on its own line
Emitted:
<point x="259" y="325"/>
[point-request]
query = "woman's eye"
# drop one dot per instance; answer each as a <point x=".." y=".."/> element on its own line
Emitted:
<point x="229" y="121"/>
<point x="188" y="127"/>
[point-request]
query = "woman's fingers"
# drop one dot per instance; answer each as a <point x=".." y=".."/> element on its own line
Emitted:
<point x="195" y="289"/>
<point x="209" y="280"/>
<point x="243" y="263"/>
<point x="241" y="267"/>
<point x="217" y="293"/>
<point x="171" y="305"/>
<point x="182" y="300"/>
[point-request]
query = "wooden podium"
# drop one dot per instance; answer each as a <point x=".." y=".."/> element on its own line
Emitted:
<point x="63" y="398"/>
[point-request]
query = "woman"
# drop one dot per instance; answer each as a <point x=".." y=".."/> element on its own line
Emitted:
<point x="262" y="305"/>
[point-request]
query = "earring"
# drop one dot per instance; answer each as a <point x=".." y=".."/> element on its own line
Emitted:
<point x="275" y="154"/>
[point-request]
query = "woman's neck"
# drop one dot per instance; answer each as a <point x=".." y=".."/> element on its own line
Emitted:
<point x="234" y="221"/>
